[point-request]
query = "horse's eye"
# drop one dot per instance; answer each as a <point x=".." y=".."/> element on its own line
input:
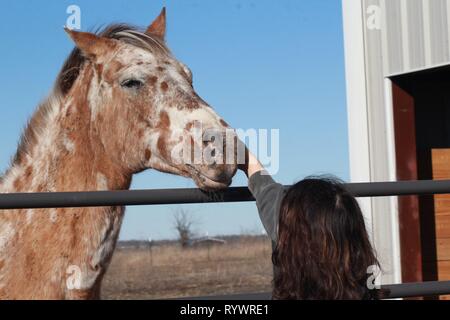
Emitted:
<point x="132" y="84"/>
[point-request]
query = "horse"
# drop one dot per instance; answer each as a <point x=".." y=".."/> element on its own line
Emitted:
<point x="114" y="111"/>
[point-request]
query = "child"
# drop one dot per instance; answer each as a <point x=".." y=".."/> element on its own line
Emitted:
<point x="322" y="246"/>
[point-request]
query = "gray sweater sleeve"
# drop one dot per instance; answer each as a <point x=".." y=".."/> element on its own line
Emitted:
<point x="268" y="195"/>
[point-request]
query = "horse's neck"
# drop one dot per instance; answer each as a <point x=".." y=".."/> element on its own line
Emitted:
<point x="65" y="155"/>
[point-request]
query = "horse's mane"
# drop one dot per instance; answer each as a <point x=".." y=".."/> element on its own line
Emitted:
<point x="69" y="74"/>
<point x="122" y="32"/>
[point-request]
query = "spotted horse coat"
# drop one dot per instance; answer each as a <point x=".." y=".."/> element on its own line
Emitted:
<point x="120" y="105"/>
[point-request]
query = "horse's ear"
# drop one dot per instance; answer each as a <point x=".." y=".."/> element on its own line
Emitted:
<point x="158" y="27"/>
<point x="90" y="44"/>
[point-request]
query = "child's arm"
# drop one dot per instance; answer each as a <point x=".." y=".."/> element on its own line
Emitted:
<point x="267" y="192"/>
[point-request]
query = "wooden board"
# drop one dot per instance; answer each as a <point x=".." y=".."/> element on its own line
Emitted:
<point x="444" y="269"/>
<point x="442" y="204"/>
<point x="443" y="249"/>
<point x="441" y="164"/>
<point x="442" y="226"/>
<point x="444" y="273"/>
<point x="441" y="171"/>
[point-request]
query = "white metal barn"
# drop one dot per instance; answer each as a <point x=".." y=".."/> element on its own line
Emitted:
<point x="398" y="93"/>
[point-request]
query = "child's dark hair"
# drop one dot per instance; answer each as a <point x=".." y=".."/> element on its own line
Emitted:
<point x="323" y="249"/>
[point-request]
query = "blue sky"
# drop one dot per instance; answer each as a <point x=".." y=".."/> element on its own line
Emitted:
<point x="261" y="64"/>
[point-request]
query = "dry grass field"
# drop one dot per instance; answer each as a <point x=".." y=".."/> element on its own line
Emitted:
<point x="168" y="271"/>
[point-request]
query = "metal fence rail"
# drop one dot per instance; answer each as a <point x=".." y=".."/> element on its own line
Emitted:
<point x="394" y="291"/>
<point x="185" y="196"/>
<point x="239" y="194"/>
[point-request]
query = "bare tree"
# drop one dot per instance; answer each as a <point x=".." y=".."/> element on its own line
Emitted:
<point x="184" y="224"/>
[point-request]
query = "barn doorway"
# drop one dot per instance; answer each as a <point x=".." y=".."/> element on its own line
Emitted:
<point x="421" y="103"/>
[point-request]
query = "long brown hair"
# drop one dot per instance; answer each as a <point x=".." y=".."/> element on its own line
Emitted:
<point x="323" y="249"/>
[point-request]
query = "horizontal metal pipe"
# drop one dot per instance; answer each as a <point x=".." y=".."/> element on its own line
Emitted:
<point x="417" y="289"/>
<point x="120" y="198"/>
<point x="399" y="188"/>
<point x="185" y="196"/>
<point x="395" y="291"/>
<point x="239" y="194"/>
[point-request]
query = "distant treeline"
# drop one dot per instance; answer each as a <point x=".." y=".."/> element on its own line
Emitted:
<point x="123" y="244"/>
